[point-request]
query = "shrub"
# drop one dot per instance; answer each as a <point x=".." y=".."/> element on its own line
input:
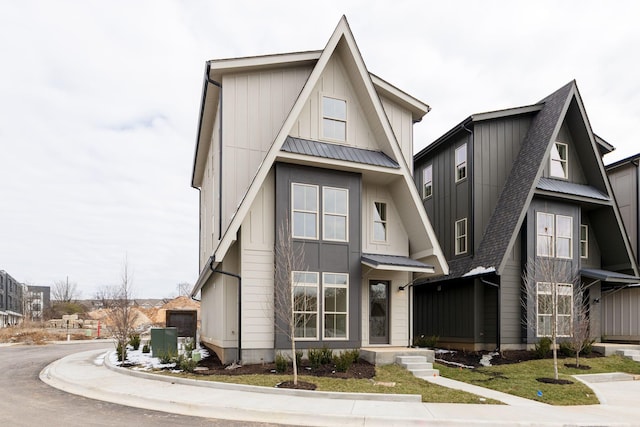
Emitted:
<point x="353" y="354"/>
<point x="146" y="348"/>
<point x="315" y="357"/>
<point x="134" y="341"/>
<point x="187" y="364"/>
<point x="167" y="357"/>
<point x="343" y="361"/>
<point x="326" y="356"/>
<point x="542" y="347"/>
<point x="188" y="347"/>
<point x="281" y="363"/>
<point x="588" y="347"/>
<point x="299" y="354"/>
<point x="122" y="353"/>
<point x="423" y="341"/>
<point x="566" y="349"/>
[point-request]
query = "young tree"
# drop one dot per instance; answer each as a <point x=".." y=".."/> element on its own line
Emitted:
<point x="289" y="296"/>
<point x="580" y="331"/>
<point x="64" y="291"/>
<point x="550" y="287"/>
<point x="122" y="316"/>
<point x="184" y="289"/>
<point x="106" y="295"/>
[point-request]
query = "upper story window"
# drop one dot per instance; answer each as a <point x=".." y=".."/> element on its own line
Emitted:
<point x="584" y="241"/>
<point x="554" y="235"/>
<point x="305" y="211"/>
<point x="427" y="181"/>
<point x="335" y="213"/>
<point x="334" y="118"/>
<point x="380" y="222"/>
<point x="559" y="160"/>
<point x="461" y="236"/>
<point x="461" y="162"/>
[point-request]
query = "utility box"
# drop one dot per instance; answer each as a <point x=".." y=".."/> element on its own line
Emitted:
<point x="164" y="341"/>
<point x="186" y="321"/>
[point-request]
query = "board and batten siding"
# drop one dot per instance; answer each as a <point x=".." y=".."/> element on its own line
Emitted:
<point x="511" y="321"/>
<point x="209" y="200"/>
<point x="255" y="106"/>
<point x="397" y="238"/>
<point x="621" y="315"/>
<point x="624" y="182"/>
<point x="496" y="144"/>
<point x="401" y="122"/>
<point x="576" y="173"/>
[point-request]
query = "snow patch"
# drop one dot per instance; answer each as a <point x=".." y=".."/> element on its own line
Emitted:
<point x="479" y="270"/>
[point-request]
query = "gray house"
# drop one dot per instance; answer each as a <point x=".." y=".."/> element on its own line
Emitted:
<point x="314" y="144"/>
<point x="506" y="187"/>
<point x="11" y="310"/>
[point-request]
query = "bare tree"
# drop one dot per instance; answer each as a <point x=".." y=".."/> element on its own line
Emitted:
<point x="106" y="295"/>
<point x="580" y="330"/>
<point x="64" y="291"/>
<point x="122" y="315"/>
<point x="184" y="289"/>
<point x="289" y="296"/>
<point x="550" y="287"/>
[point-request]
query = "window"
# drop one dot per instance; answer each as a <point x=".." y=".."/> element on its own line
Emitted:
<point x="461" y="162"/>
<point x="334" y="118"/>
<point x="305" y="211"/>
<point x="379" y="222"/>
<point x="545" y="234"/>
<point x="335" y="305"/>
<point x="545" y="308"/>
<point x="305" y="304"/>
<point x="584" y="241"/>
<point x="461" y="236"/>
<point x="559" y="161"/>
<point x="335" y="213"/>
<point x="427" y="181"/>
<point x="564" y="225"/>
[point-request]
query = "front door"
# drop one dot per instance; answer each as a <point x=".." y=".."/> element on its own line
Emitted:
<point x="379" y="312"/>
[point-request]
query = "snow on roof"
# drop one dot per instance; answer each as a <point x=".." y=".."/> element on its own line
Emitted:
<point x="479" y="271"/>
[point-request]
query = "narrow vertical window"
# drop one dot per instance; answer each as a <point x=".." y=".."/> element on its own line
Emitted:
<point x="334" y="118"/>
<point x="335" y="305"/>
<point x="545" y="234"/>
<point x="559" y="160"/>
<point x="584" y="241"/>
<point x="305" y="211"/>
<point x="427" y="182"/>
<point x="335" y="205"/>
<point x="564" y="236"/>
<point x="305" y="304"/>
<point x="380" y="222"/>
<point x="461" y="162"/>
<point x="461" y="236"/>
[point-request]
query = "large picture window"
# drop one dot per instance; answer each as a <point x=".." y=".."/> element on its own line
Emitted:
<point x="546" y="305"/>
<point x="305" y="211"/>
<point x="335" y="208"/>
<point x="559" y="160"/>
<point x="335" y="305"/>
<point x="461" y="162"/>
<point x="461" y="236"/>
<point x="334" y="118"/>
<point x="305" y="305"/>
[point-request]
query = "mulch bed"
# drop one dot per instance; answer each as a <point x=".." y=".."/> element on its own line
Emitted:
<point x="300" y="386"/>
<point x="554" y="381"/>
<point x="361" y="369"/>
<point x="472" y="358"/>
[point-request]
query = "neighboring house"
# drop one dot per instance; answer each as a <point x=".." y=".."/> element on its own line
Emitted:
<point x="506" y="187"/>
<point x="10" y="300"/>
<point x="314" y="142"/>
<point x="37" y="299"/>
<point x="624" y="176"/>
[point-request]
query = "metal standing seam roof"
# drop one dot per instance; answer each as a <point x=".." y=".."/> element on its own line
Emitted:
<point x="338" y="152"/>
<point x="384" y="262"/>
<point x="609" y="276"/>
<point x="572" y="188"/>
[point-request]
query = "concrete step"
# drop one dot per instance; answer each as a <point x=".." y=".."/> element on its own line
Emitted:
<point x="417" y="365"/>
<point x="631" y="354"/>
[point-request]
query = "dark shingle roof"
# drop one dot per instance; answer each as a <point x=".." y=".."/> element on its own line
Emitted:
<point x="338" y="152"/>
<point x="518" y="187"/>
<point x="571" y="188"/>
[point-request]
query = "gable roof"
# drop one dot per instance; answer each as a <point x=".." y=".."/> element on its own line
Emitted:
<point x="424" y="241"/>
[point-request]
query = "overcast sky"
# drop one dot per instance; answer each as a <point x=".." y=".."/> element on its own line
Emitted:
<point x="99" y="105"/>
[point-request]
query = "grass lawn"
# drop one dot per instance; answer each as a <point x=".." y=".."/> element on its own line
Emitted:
<point x="520" y="378"/>
<point x="405" y="383"/>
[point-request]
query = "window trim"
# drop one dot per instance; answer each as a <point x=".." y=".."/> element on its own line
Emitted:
<point x="425" y="196"/>
<point x="384" y="221"/>
<point x="326" y="286"/>
<point x="334" y="214"/>
<point x="551" y="237"/>
<point x="324" y="117"/>
<point x="584" y="243"/>
<point x="294" y="210"/>
<point x="462" y="166"/>
<point x="560" y="160"/>
<point x="295" y="284"/>
<point x="559" y="292"/>
<point x="569" y="238"/>
<point x="461" y="237"/>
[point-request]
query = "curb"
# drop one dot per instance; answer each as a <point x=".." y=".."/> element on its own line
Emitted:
<point x="264" y="390"/>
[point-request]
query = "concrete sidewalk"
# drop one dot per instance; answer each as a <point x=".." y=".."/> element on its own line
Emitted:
<point x="88" y="375"/>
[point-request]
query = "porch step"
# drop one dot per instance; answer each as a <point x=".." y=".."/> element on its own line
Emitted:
<point x="631" y="354"/>
<point x="417" y="365"/>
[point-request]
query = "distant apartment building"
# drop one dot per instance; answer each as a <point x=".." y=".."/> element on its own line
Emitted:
<point x="10" y="300"/>
<point x="37" y="299"/>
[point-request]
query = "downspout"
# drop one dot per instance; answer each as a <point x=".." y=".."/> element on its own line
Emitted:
<point x="497" y="286"/>
<point x="226" y="273"/>
<point x="637" y="164"/>
<point x="219" y="85"/>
